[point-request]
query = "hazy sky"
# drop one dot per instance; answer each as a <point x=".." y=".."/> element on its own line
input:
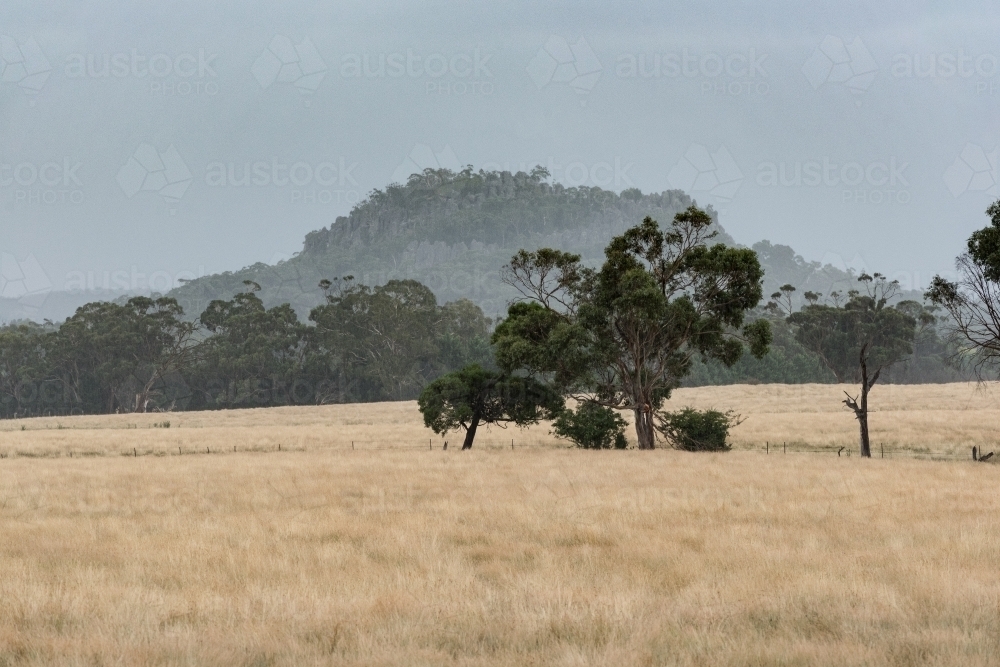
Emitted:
<point x="166" y="140"/>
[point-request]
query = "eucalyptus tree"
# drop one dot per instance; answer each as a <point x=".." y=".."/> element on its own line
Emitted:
<point x="473" y="395"/>
<point x="390" y="340"/>
<point x="252" y="353"/>
<point x="624" y="335"/>
<point x="973" y="300"/>
<point x="113" y="357"/>
<point x="23" y="368"/>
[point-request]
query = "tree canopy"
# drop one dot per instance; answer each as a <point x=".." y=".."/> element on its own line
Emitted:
<point x="624" y="335"/>
<point x="473" y="395"/>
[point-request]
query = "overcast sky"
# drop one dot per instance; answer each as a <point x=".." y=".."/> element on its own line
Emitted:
<point x="172" y="139"/>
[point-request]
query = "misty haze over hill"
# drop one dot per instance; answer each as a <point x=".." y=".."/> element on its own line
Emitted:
<point x="145" y="146"/>
<point x="454" y="231"/>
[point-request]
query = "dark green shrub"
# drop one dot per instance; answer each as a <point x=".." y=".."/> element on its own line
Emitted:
<point x="592" y="426"/>
<point x="697" y="430"/>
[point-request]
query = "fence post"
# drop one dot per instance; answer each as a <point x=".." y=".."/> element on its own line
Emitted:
<point x="767" y="447"/>
<point x="784" y="448"/>
<point x="512" y="444"/>
<point x="881" y="447"/>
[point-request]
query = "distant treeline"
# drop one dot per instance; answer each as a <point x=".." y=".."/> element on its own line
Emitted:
<point x="935" y="359"/>
<point x="364" y="344"/>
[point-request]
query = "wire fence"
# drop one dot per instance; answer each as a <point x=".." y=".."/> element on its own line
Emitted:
<point x="509" y="444"/>
<point x="880" y="450"/>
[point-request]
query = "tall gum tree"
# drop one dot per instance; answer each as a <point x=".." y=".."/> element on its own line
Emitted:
<point x="624" y="335"/>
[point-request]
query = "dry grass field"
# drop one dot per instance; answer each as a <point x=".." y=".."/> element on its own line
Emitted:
<point x="323" y="555"/>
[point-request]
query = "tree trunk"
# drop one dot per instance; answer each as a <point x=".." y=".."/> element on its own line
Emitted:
<point x="644" y="428"/>
<point x="861" y="408"/>
<point x="862" y="414"/>
<point x="470" y="433"/>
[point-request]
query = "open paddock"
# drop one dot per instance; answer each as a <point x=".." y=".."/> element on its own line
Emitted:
<point x="320" y="555"/>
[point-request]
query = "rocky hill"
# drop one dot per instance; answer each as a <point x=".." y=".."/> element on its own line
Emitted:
<point x="453" y="231"/>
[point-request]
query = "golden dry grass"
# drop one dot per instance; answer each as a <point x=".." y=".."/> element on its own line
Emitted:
<point x="926" y="420"/>
<point x="943" y="420"/>
<point x="541" y="556"/>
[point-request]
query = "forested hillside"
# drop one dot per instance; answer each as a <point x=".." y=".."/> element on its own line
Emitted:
<point x="454" y="231"/>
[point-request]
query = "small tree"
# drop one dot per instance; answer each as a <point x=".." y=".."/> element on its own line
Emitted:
<point x="858" y="340"/>
<point x="592" y="426"/>
<point x="473" y="396"/>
